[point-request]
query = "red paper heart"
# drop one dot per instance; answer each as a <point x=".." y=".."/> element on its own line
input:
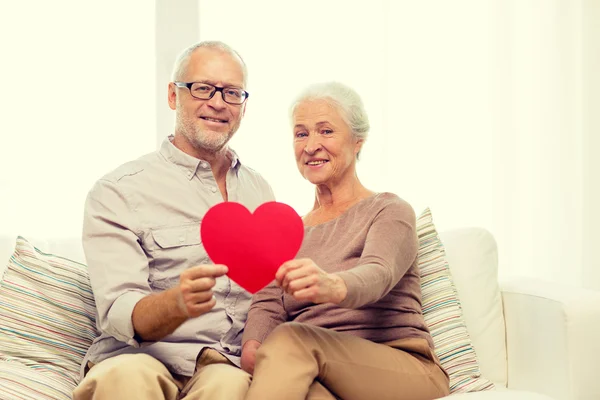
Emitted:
<point x="252" y="246"/>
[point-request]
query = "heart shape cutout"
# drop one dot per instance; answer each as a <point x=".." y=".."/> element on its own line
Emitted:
<point x="252" y="246"/>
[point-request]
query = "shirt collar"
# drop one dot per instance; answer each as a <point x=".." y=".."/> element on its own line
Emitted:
<point x="188" y="163"/>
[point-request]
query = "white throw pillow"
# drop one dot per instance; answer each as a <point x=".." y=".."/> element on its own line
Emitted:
<point x="472" y="255"/>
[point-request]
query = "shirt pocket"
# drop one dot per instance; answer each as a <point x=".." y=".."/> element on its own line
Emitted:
<point x="170" y="237"/>
<point x="173" y="249"/>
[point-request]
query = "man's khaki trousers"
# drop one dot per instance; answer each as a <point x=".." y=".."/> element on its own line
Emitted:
<point x="299" y="361"/>
<point x="140" y="376"/>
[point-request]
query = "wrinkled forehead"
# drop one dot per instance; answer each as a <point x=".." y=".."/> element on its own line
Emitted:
<point x="320" y="108"/>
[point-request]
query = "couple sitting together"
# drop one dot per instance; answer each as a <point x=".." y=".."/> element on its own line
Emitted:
<point x="342" y="320"/>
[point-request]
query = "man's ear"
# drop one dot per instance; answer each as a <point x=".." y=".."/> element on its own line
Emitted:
<point x="172" y="96"/>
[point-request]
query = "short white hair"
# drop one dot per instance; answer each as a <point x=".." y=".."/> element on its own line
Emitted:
<point x="344" y="98"/>
<point x="181" y="64"/>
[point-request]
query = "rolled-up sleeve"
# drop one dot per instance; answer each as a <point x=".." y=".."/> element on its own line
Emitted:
<point x="117" y="264"/>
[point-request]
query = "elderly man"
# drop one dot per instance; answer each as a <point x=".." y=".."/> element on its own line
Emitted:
<point x="171" y="321"/>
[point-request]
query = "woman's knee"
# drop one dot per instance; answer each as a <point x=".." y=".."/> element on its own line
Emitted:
<point x="287" y="338"/>
<point x="289" y="332"/>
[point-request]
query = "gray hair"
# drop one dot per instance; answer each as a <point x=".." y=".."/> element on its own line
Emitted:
<point x="344" y="98"/>
<point x="181" y="64"/>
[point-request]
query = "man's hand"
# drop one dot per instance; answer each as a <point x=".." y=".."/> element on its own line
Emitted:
<point x="249" y="355"/>
<point x="304" y="280"/>
<point x="195" y="296"/>
<point x="159" y="314"/>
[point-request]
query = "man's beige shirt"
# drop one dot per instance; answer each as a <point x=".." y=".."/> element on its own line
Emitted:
<point x="141" y="231"/>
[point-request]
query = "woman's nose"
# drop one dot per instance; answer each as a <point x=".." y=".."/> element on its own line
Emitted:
<point x="312" y="145"/>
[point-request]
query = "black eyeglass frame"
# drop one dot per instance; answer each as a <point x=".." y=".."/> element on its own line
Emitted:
<point x="189" y="85"/>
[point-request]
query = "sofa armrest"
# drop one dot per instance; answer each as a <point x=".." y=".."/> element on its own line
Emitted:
<point x="552" y="338"/>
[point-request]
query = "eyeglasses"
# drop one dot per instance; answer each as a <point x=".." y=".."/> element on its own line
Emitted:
<point x="204" y="91"/>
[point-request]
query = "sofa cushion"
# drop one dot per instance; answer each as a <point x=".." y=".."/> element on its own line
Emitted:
<point x="499" y="395"/>
<point x="18" y="381"/>
<point x="443" y="313"/>
<point x="47" y="312"/>
<point x="473" y="259"/>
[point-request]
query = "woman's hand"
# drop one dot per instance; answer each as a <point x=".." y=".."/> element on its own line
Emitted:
<point x="248" y="358"/>
<point x="304" y="280"/>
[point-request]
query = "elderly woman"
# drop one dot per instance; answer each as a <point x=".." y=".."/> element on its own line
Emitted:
<point x="344" y="319"/>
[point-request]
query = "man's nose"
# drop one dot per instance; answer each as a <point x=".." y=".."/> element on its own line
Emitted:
<point x="217" y="101"/>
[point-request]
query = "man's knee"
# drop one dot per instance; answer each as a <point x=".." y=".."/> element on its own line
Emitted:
<point x="225" y="374"/>
<point x="217" y="381"/>
<point x="137" y="364"/>
<point x="126" y="370"/>
<point x="319" y="392"/>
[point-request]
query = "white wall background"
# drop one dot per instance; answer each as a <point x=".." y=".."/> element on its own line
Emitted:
<point x="77" y="100"/>
<point x="591" y="142"/>
<point x="482" y="110"/>
<point x="485" y="110"/>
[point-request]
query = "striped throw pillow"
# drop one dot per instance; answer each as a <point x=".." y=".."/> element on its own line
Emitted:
<point x="18" y="381"/>
<point x="443" y="313"/>
<point x="47" y="320"/>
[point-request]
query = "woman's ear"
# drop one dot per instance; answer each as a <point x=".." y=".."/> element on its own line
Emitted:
<point x="358" y="146"/>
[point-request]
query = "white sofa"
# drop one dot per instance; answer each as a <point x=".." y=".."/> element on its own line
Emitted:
<point x="534" y="340"/>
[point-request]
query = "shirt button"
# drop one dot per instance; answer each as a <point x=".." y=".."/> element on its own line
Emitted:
<point x="181" y="239"/>
<point x="204" y="164"/>
<point x="213" y="189"/>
